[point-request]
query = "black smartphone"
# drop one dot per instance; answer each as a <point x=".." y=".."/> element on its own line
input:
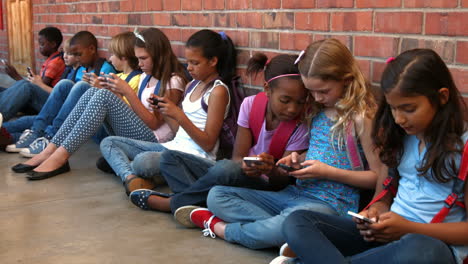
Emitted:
<point x="288" y="168"/>
<point x="155" y="101"/>
<point x="29" y="71"/>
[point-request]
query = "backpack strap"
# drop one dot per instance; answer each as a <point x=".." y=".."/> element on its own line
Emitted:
<point x="457" y="189"/>
<point x="132" y="74"/>
<point x="257" y="114"/>
<point x="283" y="132"/>
<point x="352" y="150"/>
<point x="145" y="83"/>
<point x="98" y="66"/>
<point x="387" y="187"/>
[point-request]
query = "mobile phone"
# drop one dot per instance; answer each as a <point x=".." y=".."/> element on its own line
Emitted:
<point x="29" y="71"/>
<point x="252" y="161"/>
<point x="363" y="218"/>
<point x="288" y="168"/>
<point x="3" y="61"/>
<point x="108" y="77"/>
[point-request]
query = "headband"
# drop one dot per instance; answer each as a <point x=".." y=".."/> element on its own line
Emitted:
<point x="138" y="35"/>
<point x="299" y="57"/>
<point x="390" y="59"/>
<point x="223" y="35"/>
<point x="283" y="75"/>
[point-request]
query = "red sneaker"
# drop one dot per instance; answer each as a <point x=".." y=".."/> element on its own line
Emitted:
<point x="203" y="218"/>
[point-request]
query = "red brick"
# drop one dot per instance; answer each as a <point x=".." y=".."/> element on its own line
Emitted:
<point x="266" y="40"/>
<point x="180" y="19"/>
<point x="225" y="20"/>
<point x="364" y="66"/>
<point x="375" y="46"/>
<point x="334" y="3"/>
<point x="432" y="3"/>
<point x="294" y="41"/>
<point x="240" y="38"/>
<point x="186" y="33"/>
<point x="445" y="49"/>
<point x="171" y="5"/>
<point x="298" y="4"/>
<point x="154" y="5"/>
<point x="173" y="34"/>
<point x="249" y="20"/>
<point x="243" y="57"/>
<point x="464" y="3"/>
<point x="179" y="50"/>
<point x="283" y="20"/>
<point x="398" y="22"/>
<point x="202" y="20"/>
<point x="351" y="21"/>
<point x="213" y="5"/>
<point x="377" y="3"/>
<point x="313" y="21"/>
<point x="125" y="6"/>
<point x="237" y="4"/>
<point x="98" y="30"/>
<point x="462" y="52"/>
<point x="449" y="23"/>
<point x="460" y="77"/>
<point x="191" y="4"/>
<point x="162" y="19"/>
<point x="266" y="4"/>
<point x="377" y="70"/>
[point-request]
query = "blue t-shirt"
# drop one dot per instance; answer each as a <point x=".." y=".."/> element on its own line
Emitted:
<point x="340" y="196"/>
<point x="79" y="74"/>
<point x="420" y="198"/>
<point x="106" y="68"/>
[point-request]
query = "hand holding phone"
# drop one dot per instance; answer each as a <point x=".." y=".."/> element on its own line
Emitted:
<point x="288" y="168"/>
<point x="363" y="218"/>
<point x="250" y="161"/>
<point x="155" y="101"/>
<point x="29" y="71"/>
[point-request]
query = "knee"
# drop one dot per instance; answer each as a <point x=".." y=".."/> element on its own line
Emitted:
<point x="291" y="222"/>
<point x="226" y="171"/>
<point x="215" y="197"/>
<point x="435" y="249"/>
<point x="146" y="164"/>
<point x="106" y="144"/>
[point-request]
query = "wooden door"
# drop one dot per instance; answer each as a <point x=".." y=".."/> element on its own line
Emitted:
<point x="20" y="34"/>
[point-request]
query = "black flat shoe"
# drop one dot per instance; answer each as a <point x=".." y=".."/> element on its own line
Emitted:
<point x="34" y="175"/>
<point x="22" y="168"/>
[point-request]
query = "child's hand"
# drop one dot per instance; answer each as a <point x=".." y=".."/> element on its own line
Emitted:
<point x="256" y="170"/>
<point x="118" y="85"/>
<point x="35" y="79"/>
<point x="87" y="76"/>
<point x="168" y="108"/>
<point x="315" y="170"/>
<point x="293" y="160"/>
<point x="390" y="227"/>
<point x="11" y="70"/>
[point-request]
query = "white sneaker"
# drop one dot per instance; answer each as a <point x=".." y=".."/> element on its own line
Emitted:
<point x="282" y="260"/>
<point x="1" y="120"/>
<point x="24" y="141"/>
<point x="35" y="148"/>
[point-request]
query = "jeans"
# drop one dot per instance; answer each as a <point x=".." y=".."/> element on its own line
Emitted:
<point x="191" y="177"/>
<point x="20" y="95"/>
<point x="119" y="151"/>
<point x="74" y="94"/>
<point x="255" y="217"/>
<point x="17" y="126"/>
<point x="320" y="238"/>
<point x="52" y="106"/>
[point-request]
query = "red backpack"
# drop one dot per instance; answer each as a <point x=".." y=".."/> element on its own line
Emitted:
<point x="450" y="201"/>
<point x="283" y="132"/>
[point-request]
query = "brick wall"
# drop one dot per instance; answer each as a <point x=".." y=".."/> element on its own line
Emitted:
<point x="372" y="29"/>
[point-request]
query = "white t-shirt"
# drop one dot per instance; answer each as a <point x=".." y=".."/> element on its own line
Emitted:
<point x="198" y="116"/>
<point x="164" y="132"/>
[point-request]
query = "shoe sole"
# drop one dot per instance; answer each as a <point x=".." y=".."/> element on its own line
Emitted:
<point x="182" y="215"/>
<point x="26" y="154"/>
<point x="286" y="251"/>
<point x="13" y="149"/>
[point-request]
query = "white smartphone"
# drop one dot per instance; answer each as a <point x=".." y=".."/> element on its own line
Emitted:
<point x="3" y="61"/>
<point x="363" y="218"/>
<point x="252" y="160"/>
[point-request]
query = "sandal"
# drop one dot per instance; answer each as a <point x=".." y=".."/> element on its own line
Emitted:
<point x="136" y="183"/>
<point x="140" y="197"/>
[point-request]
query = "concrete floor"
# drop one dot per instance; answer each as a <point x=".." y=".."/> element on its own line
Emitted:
<point x="84" y="216"/>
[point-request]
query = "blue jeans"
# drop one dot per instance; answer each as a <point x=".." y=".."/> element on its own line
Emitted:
<point x="320" y="238"/>
<point x="17" y="126"/>
<point x="191" y="177"/>
<point x="255" y="217"/>
<point x="52" y="106"/>
<point x="20" y="95"/>
<point x="66" y="99"/>
<point x="119" y="151"/>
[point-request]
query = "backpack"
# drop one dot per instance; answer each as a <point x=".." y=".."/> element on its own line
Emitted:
<point x="229" y="129"/>
<point x="283" y="132"/>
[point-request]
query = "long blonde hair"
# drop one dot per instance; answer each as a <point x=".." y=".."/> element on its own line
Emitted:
<point x="329" y="59"/>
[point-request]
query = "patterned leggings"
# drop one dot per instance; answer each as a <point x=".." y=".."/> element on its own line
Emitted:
<point x="97" y="107"/>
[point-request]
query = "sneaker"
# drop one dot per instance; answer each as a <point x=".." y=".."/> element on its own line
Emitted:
<point x="283" y="260"/>
<point x="24" y="141"/>
<point x="182" y="215"/>
<point x="35" y="148"/>
<point x="203" y="218"/>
